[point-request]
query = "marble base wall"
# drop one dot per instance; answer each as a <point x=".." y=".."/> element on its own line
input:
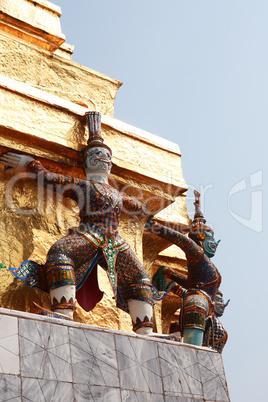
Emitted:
<point x="45" y="359"/>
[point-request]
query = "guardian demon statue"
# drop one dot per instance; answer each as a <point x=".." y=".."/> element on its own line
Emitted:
<point x="199" y="288"/>
<point x="70" y="268"/>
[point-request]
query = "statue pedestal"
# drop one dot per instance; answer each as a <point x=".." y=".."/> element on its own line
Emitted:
<point x="44" y="358"/>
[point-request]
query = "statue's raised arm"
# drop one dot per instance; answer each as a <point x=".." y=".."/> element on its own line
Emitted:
<point x="199" y="247"/>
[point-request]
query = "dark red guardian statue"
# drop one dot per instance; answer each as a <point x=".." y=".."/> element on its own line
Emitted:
<point x="199" y="288"/>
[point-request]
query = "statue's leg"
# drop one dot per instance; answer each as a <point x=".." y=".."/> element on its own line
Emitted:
<point x="135" y="288"/>
<point x="193" y="336"/>
<point x="62" y="270"/>
<point x="61" y="280"/>
<point x="138" y="294"/>
<point x="196" y="309"/>
<point x="141" y="314"/>
<point x="60" y="299"/>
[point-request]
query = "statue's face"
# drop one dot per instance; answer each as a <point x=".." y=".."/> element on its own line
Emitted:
<point x="209" y="244"/>
<point x="219" y="305"/>
<point x="99" y="159"/>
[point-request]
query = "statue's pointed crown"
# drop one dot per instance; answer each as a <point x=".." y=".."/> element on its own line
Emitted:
<point x="95" y="138"/>
<point x="198" y="216"/>
<point x="199" y="226"/>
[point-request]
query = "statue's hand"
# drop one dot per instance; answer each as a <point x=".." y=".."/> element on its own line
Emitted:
<point x="15" y="161"/>
<point x="159" y="279"/>
<point x="149" y="223"/>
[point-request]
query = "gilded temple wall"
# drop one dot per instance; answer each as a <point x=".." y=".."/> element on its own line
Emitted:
<point x="44" y="96"/>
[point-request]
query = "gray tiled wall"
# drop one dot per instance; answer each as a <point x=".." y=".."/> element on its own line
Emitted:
<point x="44" y="359"/>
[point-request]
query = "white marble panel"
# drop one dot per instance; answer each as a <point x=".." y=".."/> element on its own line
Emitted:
<point x="216" y="390"/>
<point x="63" y="363"/>
<point x="180" y="371"/>
<point x="34" y="390"/>
<point x="213" y="376"/>
<point x="138" y="364"/>
<point x="9" y="345"/>
<point x="215" y="400"/>
<point x="86" y="393"/>
<point x="94" y="358"/>
<point x="212" y="361"/>
<point x="10" y="388"/>
<point x="170" y="398"/>
<point x="135" y="396"/>
<point x="44" y="350"/>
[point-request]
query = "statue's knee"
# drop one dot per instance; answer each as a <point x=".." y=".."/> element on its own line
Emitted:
<point x="56" y="255"/>
<point x="59" y="270"/>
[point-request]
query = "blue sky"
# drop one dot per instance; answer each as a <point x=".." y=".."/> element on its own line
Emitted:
<point x="196" y="72"/>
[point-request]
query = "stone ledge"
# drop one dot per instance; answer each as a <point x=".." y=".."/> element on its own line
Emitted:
<point x="53" y="100"/>
<point x="49" y="359"/>
<point x="28" y="63"/>
<point x="47" y="126"/>
<point x="37" y="22"/>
